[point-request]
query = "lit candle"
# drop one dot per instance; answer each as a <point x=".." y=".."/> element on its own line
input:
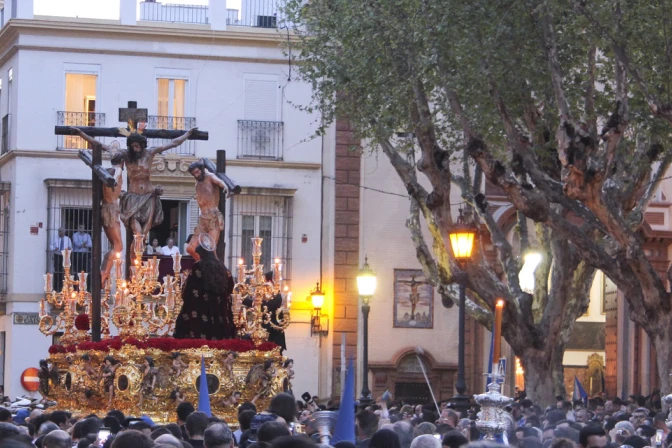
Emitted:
<point x="66" y="257"/>
<point x="497" y="349"/>
<point x="177" y="262"/>
<point x="73" y="303"/>
<point x="43" y="312"/>
<point x="276" y="270"/>
<point x="48" y="283"/>
<point x="241" y="271"/>
<point x="82" y="281"/>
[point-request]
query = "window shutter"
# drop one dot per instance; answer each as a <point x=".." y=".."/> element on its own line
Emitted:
<point x="193" y="216"/>
<point x="261" y="100"/>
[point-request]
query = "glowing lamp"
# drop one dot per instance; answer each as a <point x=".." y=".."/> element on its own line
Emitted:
<point x="366" y="280"/>
<point x="317" y="297"/>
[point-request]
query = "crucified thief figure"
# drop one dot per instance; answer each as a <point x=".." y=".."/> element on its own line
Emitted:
<point x="140" y="205"/>
<point x="211" y="220"/>
<point x="109" y="214"/>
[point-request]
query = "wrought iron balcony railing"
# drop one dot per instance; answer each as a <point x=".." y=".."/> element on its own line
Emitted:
<point x="255" y="13"/>
<point x="171" y="12"/>
<point x="175" y="124"/>
<point x="260" y="139"/>
<point x="64" y="118"/>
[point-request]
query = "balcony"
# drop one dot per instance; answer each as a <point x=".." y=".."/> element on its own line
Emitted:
<point x="260" y="139"/>
<point x="253" y="13"/>
<point x="174" y="13"/>
<point x="64" y="118"/>
<point x="173" y="124"/>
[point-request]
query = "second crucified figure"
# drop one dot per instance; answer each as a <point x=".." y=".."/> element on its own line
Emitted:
<point x="140" y="205"/>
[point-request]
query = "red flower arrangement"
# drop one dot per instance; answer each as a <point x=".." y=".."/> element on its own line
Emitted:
<point x="165" y="345"/>
<point x="82" y="322"/>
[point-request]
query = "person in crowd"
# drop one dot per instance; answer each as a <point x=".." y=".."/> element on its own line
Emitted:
<point x="207" y="308"/>
<point x="132" y="439"/>
<point x="270" y="431"/>
<point x="196" y="424"/>
<point x="366" y="424"/>
<point x="426" y="441"/>
<point x="154" y="248"/>
<point x="57" y="439"/>
<point x="384" y="438"/>
<point x="183" y="411"/>
<point x="60" y="243"/>
<point x="218" y="435"/>
<point x="82" y="243"/>
<point x="244" y="420"/>
<point x="454" y="439"/>
<point x="592" y="436"/>
<point x="170" y="249"/>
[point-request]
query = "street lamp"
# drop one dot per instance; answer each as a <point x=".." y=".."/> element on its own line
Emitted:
<point x="366" y="285"/>
<point x="317" y="299"/>
<point x="462" y="239"/>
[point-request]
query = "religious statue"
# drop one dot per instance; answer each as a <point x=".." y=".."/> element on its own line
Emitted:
<point x="210" y="220"/>
<point x="43" y="375"/>
<point x="140" y="205"/>
<point x="109" y="214"/>
<point x="178" y="365"/>
<point x="149" y="373"/>
<point x="109" y="367"/>
<point x="87" y="368"/>
<point x="261" y="377"/>
<point x="229" y="360"/>
<point x="415" y="295"/>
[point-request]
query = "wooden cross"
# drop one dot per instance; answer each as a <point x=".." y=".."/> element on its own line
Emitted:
<point x="133" y="117"/>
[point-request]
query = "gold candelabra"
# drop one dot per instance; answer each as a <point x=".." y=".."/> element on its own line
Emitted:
<point x="142" y="304"/>
<point x="73" y="295"/>
<point x="252" y="294"/>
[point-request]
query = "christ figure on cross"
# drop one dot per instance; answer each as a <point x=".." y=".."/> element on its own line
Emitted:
<point x="140" y="205"/>
<point x="414" y="297"/>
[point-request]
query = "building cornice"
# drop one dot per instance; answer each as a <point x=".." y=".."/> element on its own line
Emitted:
<point x="72" y="154"/>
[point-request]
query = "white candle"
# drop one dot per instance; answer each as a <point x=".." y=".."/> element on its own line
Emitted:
<point x="48" y="283"/>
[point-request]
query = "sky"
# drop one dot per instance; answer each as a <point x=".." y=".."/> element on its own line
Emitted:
<point x="99" y="9"/>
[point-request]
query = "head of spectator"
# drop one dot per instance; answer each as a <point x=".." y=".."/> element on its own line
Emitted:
<point x="183" y="410"/>
<point x="283" y="406"/>
<point x="57" y="439"/>
<point x="62" y="419"/>
<point x="592" y="436"/>
<point x="424" y="428"/>
<point x="567" y="433"/>
<point x="449" y="417"/>
<point x="46" y="428"/>
<point x="385" y="438"/>
<point x="405" y="432"/>
<point x="636" y="442"/>
<point x="20" y="416"/>
<point x="218" y="435"/>
<point x="426" y="441"/>
<point x="196" y="424"/>
<point x="293" y="442"/>
<point x="170" y="243"/>
<point x="270" y="431"/>
<point x="638" y="417"/>
<point x="8" y="430"/>
<point x="5" y="415"/>
<point x="454" y="439"/>
<point x="561" y="443"/>
<point x="169" y="439"/>
<point x="132" y="439"/>
<point x="366" y="423"/>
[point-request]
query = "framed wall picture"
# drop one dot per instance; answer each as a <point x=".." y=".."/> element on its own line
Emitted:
<point x="413" y="299"/>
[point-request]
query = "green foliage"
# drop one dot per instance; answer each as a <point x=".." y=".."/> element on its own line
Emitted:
<point x="364" y="58"/>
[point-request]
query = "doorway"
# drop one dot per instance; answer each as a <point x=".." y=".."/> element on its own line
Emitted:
<point x="174" y="223"/>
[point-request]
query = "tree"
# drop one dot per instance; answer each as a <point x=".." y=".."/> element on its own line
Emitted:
<point x="565" y="107"/>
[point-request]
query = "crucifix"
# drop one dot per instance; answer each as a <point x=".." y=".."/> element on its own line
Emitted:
<point x="140" y="205"/>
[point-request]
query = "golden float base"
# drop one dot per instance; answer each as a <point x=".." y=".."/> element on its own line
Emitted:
<point x="79" y="386"/>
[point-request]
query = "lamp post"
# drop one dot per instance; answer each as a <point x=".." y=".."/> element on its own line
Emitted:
<point x="366" y="286"/>
<point x="462" y="239"/>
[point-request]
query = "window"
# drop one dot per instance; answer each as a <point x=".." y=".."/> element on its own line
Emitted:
<point x="69" y="207"/>
<point x="171" y="95"/>
<point x="264" y="216"/>
<point x="260" y="134"/>
<point x="261" y="97"/>
<point x="80" y="106"/>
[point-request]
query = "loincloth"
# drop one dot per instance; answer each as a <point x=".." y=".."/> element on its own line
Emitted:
<point x="110" y="214"/>
<point x="211" y="220"/>
<point x="137" y="206"/>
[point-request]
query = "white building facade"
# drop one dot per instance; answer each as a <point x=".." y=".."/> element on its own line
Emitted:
<point x="187" y="70"/>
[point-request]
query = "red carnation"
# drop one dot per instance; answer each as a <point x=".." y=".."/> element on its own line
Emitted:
<point x="82" y="322"/>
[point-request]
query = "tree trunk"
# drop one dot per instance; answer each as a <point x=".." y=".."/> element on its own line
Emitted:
<point x="540" y="380"/>
<point x="663" y="344"/>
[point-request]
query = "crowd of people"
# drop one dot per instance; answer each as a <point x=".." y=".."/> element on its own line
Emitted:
<point x="599" y="423"/>
<point x="154" y="248"/>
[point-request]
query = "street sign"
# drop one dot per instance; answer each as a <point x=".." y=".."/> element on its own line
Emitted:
<point x="30" y="379"/>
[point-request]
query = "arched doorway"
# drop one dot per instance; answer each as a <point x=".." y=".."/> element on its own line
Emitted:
<point x="403" y="377"/>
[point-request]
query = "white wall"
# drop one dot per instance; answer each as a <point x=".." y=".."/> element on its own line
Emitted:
<point x="386" y="241"/>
